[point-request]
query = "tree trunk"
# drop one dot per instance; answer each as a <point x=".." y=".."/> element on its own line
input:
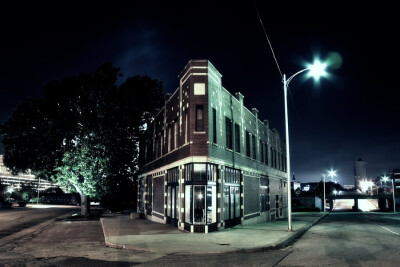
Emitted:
<point x="85" y="205"/>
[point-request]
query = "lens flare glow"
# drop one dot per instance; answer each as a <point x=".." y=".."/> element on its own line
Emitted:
<point x="317" y="70"/>
<point x="331" y="173"/>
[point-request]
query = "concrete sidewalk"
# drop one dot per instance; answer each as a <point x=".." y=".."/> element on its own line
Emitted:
<point x="120" y="231"/>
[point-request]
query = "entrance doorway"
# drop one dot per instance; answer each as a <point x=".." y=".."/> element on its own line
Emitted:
<point x="231" y="205"/>
<point x="173" y="205"/>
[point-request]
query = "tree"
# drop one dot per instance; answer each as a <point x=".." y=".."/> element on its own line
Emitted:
<point x="84" y="133"/>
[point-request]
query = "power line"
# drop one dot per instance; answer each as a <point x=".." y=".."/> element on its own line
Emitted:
<point x="265" y="32"/>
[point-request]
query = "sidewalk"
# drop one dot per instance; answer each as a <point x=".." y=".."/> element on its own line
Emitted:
<point x="120" y="231"/>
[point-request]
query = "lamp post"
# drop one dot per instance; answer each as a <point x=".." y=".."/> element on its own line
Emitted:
<point x="393" y="190"/>
<point x="323" y="203"/>
<point x="316" y="70"/>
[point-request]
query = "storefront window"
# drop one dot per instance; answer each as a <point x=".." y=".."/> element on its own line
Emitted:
<point x="231" y="195"/>
<point x="237" y="201"/>
<point x="199" y="172"/>
<point x="173" y="202"/>
<point x="200" y="193"/>
<point x="199" y="204"/>
<point x="169" y="201"/>
<point x="211" y="203"/>
<point x="188" y="204"/>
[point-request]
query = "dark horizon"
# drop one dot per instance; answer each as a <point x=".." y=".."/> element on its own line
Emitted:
<point x="351" y="115"/>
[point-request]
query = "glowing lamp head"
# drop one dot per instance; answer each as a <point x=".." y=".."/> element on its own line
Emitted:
<point x="317" y="70"/>
<point x="385" y="178"/>
<point x="331" y="173"/>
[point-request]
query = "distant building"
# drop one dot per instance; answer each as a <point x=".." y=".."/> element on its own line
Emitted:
<point x="211" y="163"/>
<point x="360" y="175"/>
<point x="348" y="186"/>
<point x="309" y="187"/>
<point x="295" y="185"/>
<point x="17" y="181"/>
<point x="395" y="175"/>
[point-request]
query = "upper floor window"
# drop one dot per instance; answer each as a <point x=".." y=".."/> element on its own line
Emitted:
<point x="214" y="125"/>
<point x="169" y="138"/>
<point x="228" y="129"/>
<point x="172" y="139"/>
<point x="199" y="89"/>
<point x="186" y="127"/>
<point x="254" y="146"/>
<point x="199" y="119"/>
<point x="262" y="151"/>
<point x="176" y="134"/>
<point x="248" y="153"/>
<point x="237" y="138"/>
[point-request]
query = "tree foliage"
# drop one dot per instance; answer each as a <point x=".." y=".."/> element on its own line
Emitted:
<point x="84" y="132"/>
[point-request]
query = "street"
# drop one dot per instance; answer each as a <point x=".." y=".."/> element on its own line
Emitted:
<point x="363" y="204"/>
<point x="339" y="239"/>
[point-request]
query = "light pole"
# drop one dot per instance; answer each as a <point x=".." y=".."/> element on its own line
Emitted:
<point x="323" y="203"/>
<point x="316" y="70"/>
<point x="393" y="190"/>
<point x="332" y="174"/>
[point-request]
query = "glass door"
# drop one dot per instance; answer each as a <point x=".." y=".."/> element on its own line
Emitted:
<point x="199" y="196"/>
<point x="231" y="205"/>
<point x="173" y="203"/>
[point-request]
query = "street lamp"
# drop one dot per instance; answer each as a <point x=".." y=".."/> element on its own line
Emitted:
<point x="393" y="190"/>
<point x="316" y="70"/>
<point x="323" y="175"/>
<point x="332" y="174"/>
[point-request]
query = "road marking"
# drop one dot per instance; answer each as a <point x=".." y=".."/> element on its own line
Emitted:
<point x="389" y="230"/>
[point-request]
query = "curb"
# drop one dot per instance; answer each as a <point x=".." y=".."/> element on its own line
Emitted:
<point x="107" y="239"/>
<point x="281" y="244"/>
<point x="285" y="241"/>
<point x="110" y="244"/>
<point x="298" y="233"/>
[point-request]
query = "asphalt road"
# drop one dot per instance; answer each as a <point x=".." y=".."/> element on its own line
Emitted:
<point x="349" y="239"/>
<point x="17" y="219"/>
<point x="339" y="239"/>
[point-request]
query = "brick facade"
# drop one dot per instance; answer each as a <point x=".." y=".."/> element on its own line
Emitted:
<point x="203" y="127"/>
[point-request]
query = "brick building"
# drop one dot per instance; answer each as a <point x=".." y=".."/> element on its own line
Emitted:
<point x="211" y="162"/>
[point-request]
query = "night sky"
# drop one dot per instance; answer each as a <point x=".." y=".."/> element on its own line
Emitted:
<point x="353" y="114"/>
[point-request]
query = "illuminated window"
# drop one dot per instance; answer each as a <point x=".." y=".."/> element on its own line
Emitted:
<point x="199" y="118"/>
<point x="199" y="89"/>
